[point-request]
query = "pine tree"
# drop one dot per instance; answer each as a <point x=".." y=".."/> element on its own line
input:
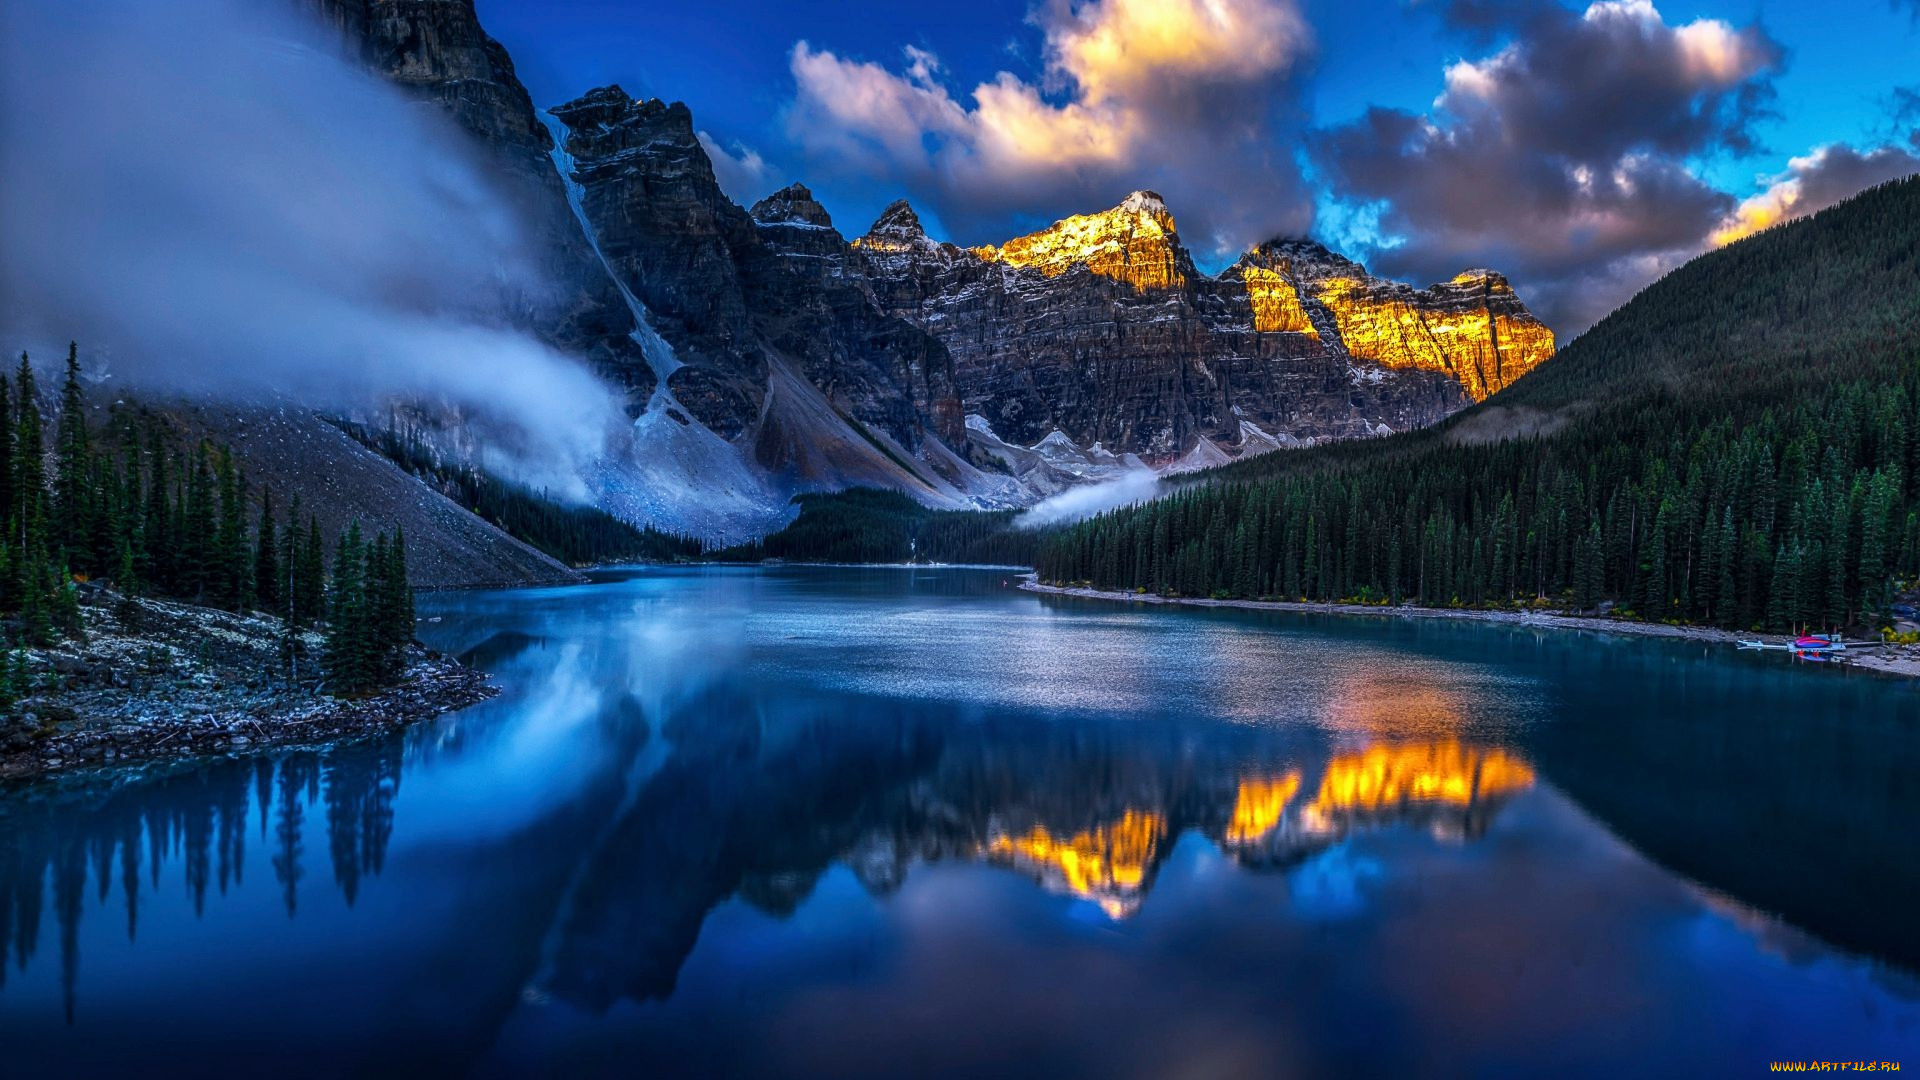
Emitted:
<point x="348" y="656"/>
<point x="199" y="525"/>
<point x="266" y="556"/>
<point x="29" y="468"/>
<point x="309" y="578"/>
<point x="8" y="507"/>
<point x="231" y="575"/>
<point x="72" y="463"/>
<point x="156" y="523"/>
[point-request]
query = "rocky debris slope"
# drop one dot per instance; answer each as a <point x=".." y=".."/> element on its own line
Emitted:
<point x="292" y="451"/>
<point x="160" y="681"/>
<point x="1100" y="327"/>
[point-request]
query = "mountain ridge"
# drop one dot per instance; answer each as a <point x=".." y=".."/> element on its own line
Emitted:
<point x="1292" y="340"/>
<point x="760" y="353"/>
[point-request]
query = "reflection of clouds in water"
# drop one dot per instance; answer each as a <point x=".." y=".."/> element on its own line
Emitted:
<point x="670" y="652"/>
<point x="1333" y="885"/>
<point x="555" y="705"/>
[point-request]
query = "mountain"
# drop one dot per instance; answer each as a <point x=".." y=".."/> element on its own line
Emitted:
<point x="762" y="354"/>
<point x="1100" y="327"/>
<point x="1736" y="446"/>
<point x="788" y="377"/>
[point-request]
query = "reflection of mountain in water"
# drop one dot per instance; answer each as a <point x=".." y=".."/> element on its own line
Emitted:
<point x="1448" y="787"/>
<point x="1787" y="813"/>
<point x="604" y="895"/>
<point x="757" y="808"/>
<point x="760" y="811"/>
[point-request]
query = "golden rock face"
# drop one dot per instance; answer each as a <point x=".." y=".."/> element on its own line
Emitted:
<point x="1276" y="302"/>
<point x="1445" y="783"/>
<point x="1461" y="334"/>
<point x="1474" y="328"/>
<point x="1134" y="242"/>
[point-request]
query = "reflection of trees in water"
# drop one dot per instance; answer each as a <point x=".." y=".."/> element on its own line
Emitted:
<point x="1794" y="812"/>
<point x="196" y="816"/>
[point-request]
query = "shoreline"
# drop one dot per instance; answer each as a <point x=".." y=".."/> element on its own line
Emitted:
<point x="1901" y="661"/>
<point x="433" y="686"/>
<point x="187" y="682"/>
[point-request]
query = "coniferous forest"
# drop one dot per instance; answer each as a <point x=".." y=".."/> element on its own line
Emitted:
<point x="1737" y="446"/>
<point x="133" y="507"/>
<point x="576" y="535"/>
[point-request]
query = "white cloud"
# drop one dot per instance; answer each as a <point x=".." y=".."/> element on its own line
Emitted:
<point x="1814" y="182"/>
<point x="743" y="174"/>
<point x="1191" y="97"/>
<point x="1075" y="504"/>
<point x="225" y="206"/>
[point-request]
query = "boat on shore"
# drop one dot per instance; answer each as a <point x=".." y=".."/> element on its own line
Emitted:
<point x="1809" y="646"/>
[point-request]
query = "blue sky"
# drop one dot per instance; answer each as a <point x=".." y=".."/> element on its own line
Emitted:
<point x="1265" y="130"/>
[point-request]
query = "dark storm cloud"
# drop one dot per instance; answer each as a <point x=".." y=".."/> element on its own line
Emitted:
<point x="1561" y="158"/>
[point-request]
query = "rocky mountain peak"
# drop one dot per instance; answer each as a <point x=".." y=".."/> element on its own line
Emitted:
<point x="897" y="227"/>
<point x="899" y="216"/>
<point x="1136" y="242"/>
<point x="605" y="109"/>
<point x="791" y="205"/>
<point x="897" y="239"/>
<point x="1302" y="259"/>
<point x="1150" y="204"/>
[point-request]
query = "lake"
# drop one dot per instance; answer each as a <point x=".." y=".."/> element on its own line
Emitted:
<point x="882" y="822"/>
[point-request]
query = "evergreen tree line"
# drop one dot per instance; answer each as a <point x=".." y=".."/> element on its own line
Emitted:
<point x="1739" y="446"/>
<point x="576" y="535"/>
<point x="869" y="525"/>
<point x="131" y="506"/>
<point x="1803" y="517"/>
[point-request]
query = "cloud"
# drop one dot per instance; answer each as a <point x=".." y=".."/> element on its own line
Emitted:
<point x="1564" y="157"/>
<point x="209" y="195"/>
<point x="1814" y="182"/>
<point x="743" y="174"/>
<point x="1195" y="98"/>
<point x="1075" y="504"/>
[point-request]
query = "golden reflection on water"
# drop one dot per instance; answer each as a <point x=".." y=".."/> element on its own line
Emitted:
<point x="1452" y="786"/>
<point x="1413" y="704"/>
<point x="1385" y="777"/>
<point x="1107" y="864"/>
<point x="1259" y="805"/>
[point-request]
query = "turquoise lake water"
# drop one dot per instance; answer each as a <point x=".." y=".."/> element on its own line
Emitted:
<point x="883" y="822"/>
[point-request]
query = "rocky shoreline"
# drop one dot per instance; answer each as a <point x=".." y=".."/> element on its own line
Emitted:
<point x="1896" y="660"/>
<point x="185" y="682"/>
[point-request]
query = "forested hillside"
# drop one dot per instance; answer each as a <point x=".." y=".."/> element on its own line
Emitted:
<point x="1735" y="446"/>
<point x="575" y="535"/>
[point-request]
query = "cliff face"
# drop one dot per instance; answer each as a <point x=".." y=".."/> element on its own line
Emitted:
<point x="1473" y="328"/>
<point x="1101" y="328"/>
<point x="738" y="293"/>
<point x="437" y="51"/>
